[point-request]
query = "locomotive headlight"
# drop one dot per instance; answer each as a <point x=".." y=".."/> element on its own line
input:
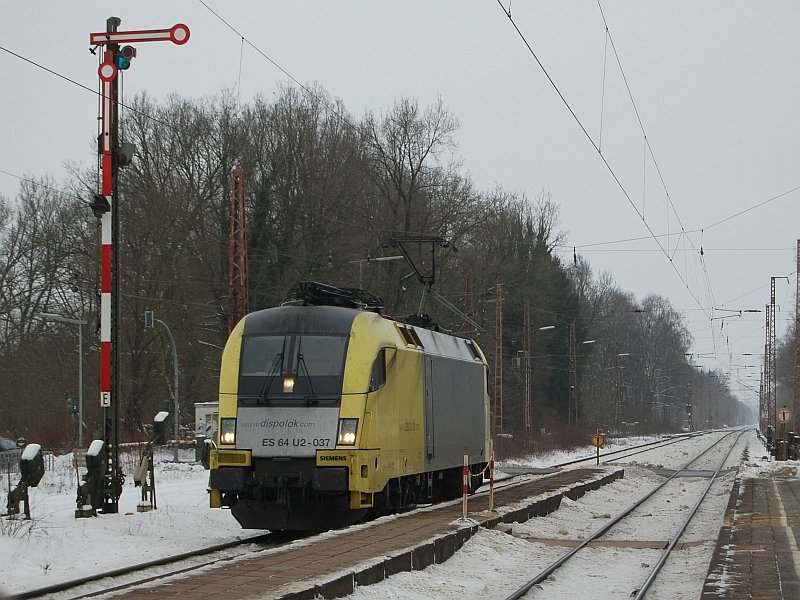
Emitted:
<point x="347" y="432"/>
<point x="227" y="431"/>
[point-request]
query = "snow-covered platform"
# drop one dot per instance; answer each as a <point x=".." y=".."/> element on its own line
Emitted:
<point x="334" y="564"/>
<point x="757" y="553"/>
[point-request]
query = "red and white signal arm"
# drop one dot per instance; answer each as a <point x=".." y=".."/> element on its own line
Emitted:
<point x="178" y="34"/>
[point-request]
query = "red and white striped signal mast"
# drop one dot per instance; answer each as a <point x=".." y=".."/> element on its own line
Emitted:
<point x="114" y="155"/>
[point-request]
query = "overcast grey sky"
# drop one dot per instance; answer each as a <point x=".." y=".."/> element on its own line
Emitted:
<point x="715" y="84"/>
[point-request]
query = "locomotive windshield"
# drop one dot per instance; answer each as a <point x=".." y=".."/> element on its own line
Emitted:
<point x="283" y="370"/>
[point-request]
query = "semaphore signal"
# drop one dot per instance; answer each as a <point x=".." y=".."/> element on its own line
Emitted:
<point x="114" y="155"/>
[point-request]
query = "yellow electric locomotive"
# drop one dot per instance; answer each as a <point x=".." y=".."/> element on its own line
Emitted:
<point x="330" y="411"/>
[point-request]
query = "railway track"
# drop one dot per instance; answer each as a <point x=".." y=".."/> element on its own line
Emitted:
<point x="149" y="571"/>
<point x="664" y="488"/>
<point x="183" y="563"/>
<point x="607" y="456"/>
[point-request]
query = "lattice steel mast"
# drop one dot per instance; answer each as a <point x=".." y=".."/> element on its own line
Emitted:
<point x="796" y="396"/>
<point x="498" y="360"/>
<point x="238" y="302"/>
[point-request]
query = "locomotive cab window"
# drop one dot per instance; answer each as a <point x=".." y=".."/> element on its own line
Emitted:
<point x="378" y="377"/>
<point x="289" y="368"/>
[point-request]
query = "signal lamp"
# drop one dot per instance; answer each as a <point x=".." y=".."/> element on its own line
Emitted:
<point x="123" y="155"/>
<point x="160" y="428"/>
<point x="31" y="465"/>
<point x="288" y="385"/>
<point x="99" y="205"/>
<point x="124" y="56"/>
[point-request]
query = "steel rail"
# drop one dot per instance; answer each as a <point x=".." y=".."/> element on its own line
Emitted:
<point x="121" y="571"/>
<point x="658" y="443"/>
<point x="544" y="574"/>
<point x="73" y="583"/>
<point x="648" y="447"/>
<point x="662" y="561"/>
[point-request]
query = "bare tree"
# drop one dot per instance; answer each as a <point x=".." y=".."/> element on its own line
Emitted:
<point x="41" y="269"/>
<point x="406" y="146"/>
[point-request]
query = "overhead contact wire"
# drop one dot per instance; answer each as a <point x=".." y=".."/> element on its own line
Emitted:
<point x="309" y="91"/>
<point x="600" y="154"/>
<point x="647" y="142"/>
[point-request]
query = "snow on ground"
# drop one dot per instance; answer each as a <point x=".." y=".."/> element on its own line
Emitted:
<point x="493" y="564"/>
<point x="55" y="546"/>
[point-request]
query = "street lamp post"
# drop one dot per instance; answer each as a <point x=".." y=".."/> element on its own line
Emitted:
<point x="45" y="316"/>
<point x="149" y="319"/>
<point x="528" y="411"/>
<point x="572" y="401"/>
<point x="618" y="400"/>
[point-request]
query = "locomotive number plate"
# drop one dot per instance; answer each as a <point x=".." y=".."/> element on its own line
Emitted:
<point x="282" y="431"/>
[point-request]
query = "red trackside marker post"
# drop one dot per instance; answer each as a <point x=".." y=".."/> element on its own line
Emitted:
<point x="491" y="481"/>
<point x="466" y="484"/>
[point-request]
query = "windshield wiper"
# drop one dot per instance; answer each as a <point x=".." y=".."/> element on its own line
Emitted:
<point x="277" y="367"/>
<point x="301" y="362"/>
